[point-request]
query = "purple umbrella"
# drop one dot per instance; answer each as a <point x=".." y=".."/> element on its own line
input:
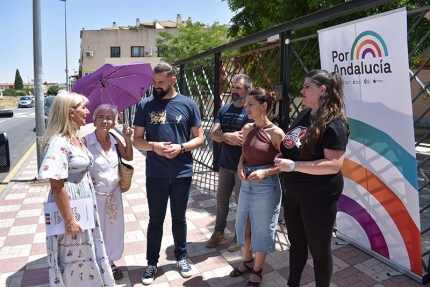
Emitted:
<point x="121" y="85"/>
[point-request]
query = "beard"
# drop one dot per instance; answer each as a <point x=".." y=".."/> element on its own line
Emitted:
<point x="236" y="98"/>
<point x="159" y="93"/>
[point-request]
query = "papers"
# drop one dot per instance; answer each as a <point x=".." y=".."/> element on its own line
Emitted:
<point x="82" y="208"/>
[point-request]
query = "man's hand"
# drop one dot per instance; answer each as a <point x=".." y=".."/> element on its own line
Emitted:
<point x="234" y="138"/>
<point x="160" y="148"/>
<point x="172" y="151"/>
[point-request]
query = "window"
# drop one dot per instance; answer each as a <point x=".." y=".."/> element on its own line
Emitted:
<point x="138" y="51"/>
<point x="115" y="52"/>
<point x="160" y="51"/>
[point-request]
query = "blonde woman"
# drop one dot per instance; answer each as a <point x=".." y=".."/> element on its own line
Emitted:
<point x="77" y="257"/>
<point x="105" y="176"/>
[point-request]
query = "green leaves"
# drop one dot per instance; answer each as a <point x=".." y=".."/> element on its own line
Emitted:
<point x="192" y="39"/>
<point x="18" y="84"/>
<point x="53" y="90"/>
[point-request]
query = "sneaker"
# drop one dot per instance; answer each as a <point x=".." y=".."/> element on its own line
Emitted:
<point x="184" y="268"/>
<point x="233" y="245"/>
<point x="117" y="274"/>
<point x="216" y="238"/>
<point x="149" y="275"/>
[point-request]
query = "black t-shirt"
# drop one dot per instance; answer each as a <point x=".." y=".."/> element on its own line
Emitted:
<point x="308" y="185"/>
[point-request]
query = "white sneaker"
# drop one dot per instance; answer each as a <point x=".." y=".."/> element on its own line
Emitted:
<point x="149" y="275"/>
<point x="184" y="268"/>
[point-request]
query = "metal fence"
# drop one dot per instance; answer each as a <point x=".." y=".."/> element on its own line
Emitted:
<point x="282" y="67"/>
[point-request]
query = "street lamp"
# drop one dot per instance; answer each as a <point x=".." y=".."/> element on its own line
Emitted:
<point x="65" y="40"/>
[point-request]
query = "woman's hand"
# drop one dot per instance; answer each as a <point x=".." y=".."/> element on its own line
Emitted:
<point x="283" y="163"/>
<point x="241" y="172"/>
<point x="127" y="132"/>
<point x="73" y="227"/>
<point x="257" y="175"/>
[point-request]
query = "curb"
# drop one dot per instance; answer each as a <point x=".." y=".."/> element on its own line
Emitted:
<point x="7" y="184"/>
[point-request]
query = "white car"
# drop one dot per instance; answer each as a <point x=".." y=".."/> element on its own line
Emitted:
<point x="26" y="101"/>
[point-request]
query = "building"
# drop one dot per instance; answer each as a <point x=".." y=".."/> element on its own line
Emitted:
<point x="124" y="44"/>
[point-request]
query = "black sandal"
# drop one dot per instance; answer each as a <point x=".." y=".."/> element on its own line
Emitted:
<point x="253" y="283"/>
<point x="236" y="271"/>
<point x="117" y="274"/>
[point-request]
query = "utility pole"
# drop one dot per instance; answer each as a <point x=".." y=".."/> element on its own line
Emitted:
<point x="65" y="40"/>
<point x="38" y="80"/>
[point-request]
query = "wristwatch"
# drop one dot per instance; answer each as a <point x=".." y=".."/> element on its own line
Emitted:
<point x="182" y="148"/>
<point x="292" y="166"/>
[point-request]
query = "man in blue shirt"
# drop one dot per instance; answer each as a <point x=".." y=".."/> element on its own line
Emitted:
<point x="164" y="124"/>
<point x="227" y="130"/>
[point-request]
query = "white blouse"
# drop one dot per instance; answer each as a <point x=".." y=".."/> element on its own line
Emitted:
<point x="104" y="172"/>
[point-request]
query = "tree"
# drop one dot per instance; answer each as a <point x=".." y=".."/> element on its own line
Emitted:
<point x="191" y="40"/>
<point x="53" y="90"/>
<point x="253" y="16"/>
<point x="18" y="84"/>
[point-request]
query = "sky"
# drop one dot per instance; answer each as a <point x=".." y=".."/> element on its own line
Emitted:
<point x="16" y="32"/>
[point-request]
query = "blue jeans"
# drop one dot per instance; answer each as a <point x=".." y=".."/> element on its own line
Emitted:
<point x="158" y="191"/>
<point x="261" y="202"/>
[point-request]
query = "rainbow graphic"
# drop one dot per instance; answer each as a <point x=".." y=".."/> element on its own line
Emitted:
<point x="374" y="201"/>
<point x="47" y="219"/>
<point x="368" y="42"/>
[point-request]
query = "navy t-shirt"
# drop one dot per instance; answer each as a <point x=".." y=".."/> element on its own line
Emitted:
<point x="168" y="120"/>
<point x="231" y="119"/>
<point x="300" y="184"/>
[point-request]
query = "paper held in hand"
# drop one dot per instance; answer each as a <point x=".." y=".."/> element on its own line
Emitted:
<point x="82" y="208"/>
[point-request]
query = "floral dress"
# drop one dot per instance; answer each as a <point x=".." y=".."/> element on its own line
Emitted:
<point x="74" y="260"/>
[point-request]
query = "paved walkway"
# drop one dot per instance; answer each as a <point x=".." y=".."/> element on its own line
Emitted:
<point x="23" y="254"/>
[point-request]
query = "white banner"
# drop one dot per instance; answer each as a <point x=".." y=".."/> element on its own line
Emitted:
<point x="379" y="207"/>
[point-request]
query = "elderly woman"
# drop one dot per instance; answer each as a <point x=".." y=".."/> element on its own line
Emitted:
<point x="105" y="176"/>
<point x="77" y="257"/>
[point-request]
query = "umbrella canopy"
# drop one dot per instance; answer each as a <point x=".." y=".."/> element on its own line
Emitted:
<point x="121" y="85"/>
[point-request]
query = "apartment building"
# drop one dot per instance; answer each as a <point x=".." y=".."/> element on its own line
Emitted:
<point x="124" y="44"/>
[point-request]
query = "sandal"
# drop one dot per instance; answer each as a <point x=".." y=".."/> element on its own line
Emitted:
<point x="117" y="274"/>
<point x="253" y="283"/>
<point x="236" y="271"/>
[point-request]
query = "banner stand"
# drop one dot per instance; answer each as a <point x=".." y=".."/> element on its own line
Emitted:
<point x="403" y="271"/>
<point x="379" y="208"/>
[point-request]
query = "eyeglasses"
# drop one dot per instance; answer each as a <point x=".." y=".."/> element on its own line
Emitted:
<point x="103" y="118"/>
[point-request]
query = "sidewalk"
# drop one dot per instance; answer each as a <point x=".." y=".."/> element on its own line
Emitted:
<point x="23" y="253"/>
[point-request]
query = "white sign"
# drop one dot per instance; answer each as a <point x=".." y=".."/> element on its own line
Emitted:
<point x="82" y="209"/>
<point x="379" y="207"/>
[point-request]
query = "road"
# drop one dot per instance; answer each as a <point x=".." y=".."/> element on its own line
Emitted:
<point x="20" y="133"/>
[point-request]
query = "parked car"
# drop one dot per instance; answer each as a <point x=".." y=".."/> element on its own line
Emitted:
<point x="47" y="107"/>
<point x="26" y="101"/>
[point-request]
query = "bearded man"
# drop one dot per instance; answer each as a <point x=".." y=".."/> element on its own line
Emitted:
<point x="227" y="130"/>
<point x="164" y="124"/>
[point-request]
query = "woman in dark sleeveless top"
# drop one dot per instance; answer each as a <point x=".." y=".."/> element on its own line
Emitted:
<point x="260" y="192"/>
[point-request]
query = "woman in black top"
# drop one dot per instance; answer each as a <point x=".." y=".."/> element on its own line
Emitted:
<point x="313" y="150"/>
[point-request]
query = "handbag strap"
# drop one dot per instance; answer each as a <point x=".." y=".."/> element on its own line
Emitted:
<point x="117" y="150"/>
